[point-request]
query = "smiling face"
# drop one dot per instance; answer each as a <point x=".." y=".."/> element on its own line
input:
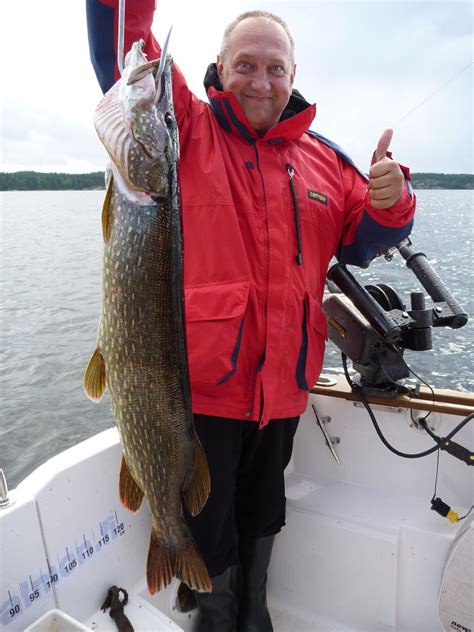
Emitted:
<point x="257" y="69"/>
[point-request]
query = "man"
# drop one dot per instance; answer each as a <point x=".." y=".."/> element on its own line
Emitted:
<point x="266" y="204"/>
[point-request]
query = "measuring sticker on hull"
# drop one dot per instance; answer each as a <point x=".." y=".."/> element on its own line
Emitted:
<point x="33" y="588"/>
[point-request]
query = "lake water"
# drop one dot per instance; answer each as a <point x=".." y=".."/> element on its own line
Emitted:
<point x="51" y="295"/>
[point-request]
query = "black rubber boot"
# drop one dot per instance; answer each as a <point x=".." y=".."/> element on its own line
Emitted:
<point x="254" y="556"/>
<point x="218" y="609"/>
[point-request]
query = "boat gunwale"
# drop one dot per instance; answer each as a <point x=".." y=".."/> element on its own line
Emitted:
<point x="443" y="401"/>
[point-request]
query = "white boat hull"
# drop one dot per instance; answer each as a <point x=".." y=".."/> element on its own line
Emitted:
<point x="361" y="550"/>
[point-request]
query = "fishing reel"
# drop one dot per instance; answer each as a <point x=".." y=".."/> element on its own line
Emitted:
<point x="372" y="326"/>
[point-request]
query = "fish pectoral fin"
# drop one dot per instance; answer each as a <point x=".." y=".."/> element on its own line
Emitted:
<point x="95" y="377"/>
<point x="107" y="211"/>
<point x="197" y="492"/>
<point x="131" y="494"/>
<point x="184" y="562"/>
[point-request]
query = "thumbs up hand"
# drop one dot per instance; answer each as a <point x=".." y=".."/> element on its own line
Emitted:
<point x="386" y="179"/>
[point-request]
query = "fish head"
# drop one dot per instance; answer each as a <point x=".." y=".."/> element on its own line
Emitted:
<point x="137" y="89"/>
<point x="135" y="121"/>
<point x="155" y="130"/>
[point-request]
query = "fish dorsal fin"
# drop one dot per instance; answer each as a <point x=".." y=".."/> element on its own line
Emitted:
<point x="131" y="494"/>
<point x="94" y="377"/>
<point x="107" y="211"/>
<point x="195" y="495"/>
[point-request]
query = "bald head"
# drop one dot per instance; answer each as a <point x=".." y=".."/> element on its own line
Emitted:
<point x="265" y="16"/>
<point x="256" y="67"/>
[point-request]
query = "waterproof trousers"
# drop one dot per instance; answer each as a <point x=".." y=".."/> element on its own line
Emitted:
<point x="247" y="498"/>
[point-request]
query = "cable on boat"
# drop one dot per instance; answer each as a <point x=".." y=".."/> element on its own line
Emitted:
<point x="437" y="504"/>
<point x="357" y="390"/>
<point x="466" y="515"/>
<point x="442" y="442"/>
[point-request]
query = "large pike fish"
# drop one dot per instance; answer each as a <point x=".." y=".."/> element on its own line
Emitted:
<point x="141" y="347"/>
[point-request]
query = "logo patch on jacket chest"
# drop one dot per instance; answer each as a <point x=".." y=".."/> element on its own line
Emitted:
<point x="316" y="196"/>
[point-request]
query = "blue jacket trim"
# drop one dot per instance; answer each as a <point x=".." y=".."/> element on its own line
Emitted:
<point x="338" y="150"/>
<point x="100" y="31"/>
<point x="240" y="126"/>
<point x="261" y="362"/>
<point x="342" y="154"/>
<point x="371" y="238"/>
<point x="234" y="356"/>
<point x="301" y="364"/>
<point x="219" y="112"/>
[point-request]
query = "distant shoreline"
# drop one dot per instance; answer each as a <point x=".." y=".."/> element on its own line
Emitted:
<point x="37" y="181"/>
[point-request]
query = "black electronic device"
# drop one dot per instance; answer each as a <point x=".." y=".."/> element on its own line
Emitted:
<point x="372" y="326"/>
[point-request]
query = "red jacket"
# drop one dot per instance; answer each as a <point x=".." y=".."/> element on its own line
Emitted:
<point x="255" y="327"/>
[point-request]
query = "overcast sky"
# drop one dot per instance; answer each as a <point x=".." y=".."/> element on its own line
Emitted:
<point x="367" y="65"/>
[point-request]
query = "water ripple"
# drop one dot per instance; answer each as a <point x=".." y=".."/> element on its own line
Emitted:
<point x="51" y="293"/>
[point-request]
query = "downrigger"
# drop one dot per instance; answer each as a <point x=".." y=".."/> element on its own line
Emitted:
<point x="372" y="327"/>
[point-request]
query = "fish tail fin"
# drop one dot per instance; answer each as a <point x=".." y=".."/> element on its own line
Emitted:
<point x="184" y="562"/>
<point x="131" y="494"/>
<point x="159" y="566"/>
<point x="190" y="567"/>
<point x="197" y="492"/>
<point x="94" y="377"/>
<point x="107" y="211"/>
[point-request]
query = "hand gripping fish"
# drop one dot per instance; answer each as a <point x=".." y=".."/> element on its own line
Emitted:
<point x="141" y="348"/>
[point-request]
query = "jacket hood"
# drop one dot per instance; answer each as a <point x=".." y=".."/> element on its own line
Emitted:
<point x="296" y="105"/>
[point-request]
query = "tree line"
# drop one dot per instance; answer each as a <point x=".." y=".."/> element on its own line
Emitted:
<point x="35" y="181"/>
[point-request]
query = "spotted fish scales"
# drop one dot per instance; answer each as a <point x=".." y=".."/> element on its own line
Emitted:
<point x="141" y="347"/>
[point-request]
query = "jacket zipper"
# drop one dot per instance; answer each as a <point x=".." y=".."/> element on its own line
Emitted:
<point x="299" y="247"/>
<point x="267" y="282"/>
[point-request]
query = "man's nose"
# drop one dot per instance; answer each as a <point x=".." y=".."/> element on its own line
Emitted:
<point x="261" y="80"/>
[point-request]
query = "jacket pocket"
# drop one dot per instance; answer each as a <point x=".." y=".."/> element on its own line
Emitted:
<point x="313" y="338"/>
<point x="215" y="316"/>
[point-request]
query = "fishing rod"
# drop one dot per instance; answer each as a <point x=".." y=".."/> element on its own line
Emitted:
<point x="425" y="100"/>
<point x="430" y="96"/>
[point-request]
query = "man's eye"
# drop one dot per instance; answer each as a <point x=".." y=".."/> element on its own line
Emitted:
<point x="278" y="71"/>
<point x="243" y="66"/>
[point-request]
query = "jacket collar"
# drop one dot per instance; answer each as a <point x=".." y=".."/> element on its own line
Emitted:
<point x="295" y="120"/>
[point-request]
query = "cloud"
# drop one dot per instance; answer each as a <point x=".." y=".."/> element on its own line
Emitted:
<point x="40" y="139"/>
<point x="366" y="64"/>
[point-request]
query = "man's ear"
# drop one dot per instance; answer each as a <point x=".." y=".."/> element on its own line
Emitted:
<point x="292" y="75"/>
<point x="220" y="67"/>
